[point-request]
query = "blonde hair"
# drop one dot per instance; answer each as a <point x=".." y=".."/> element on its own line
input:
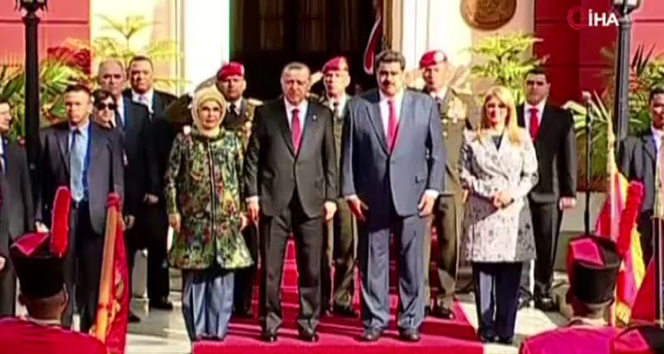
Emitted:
<point x="502" y="94"/>
<point x="204" y="95"/>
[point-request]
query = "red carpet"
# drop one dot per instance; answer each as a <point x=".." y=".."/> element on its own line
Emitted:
<point x="339" y="335"/>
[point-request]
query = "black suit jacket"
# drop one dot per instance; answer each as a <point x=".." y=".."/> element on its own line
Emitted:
<point x="637" y="158"/>
<point x="556" y="155"/>
<point x="17" y="204"/>
<point x="274" y="173"/>
<point x="105" y="173"/>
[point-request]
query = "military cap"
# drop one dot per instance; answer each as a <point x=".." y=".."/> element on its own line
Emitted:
<point x="336" y="64"/>
<point x="230" y="69"/>
<point x="431" y="58"/>
<point x="593" y="263"/>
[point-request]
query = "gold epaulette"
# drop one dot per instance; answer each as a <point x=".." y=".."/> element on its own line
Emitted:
<point x="254" y="102"/>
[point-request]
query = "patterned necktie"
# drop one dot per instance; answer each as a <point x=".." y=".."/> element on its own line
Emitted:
<point x="335" y="109"/>
<point x="391" y="125"/>
<point x="76" y="161"/>
<point x="296" y="129"/>
<point x="233" y="109"/>
<point x="534" y="122"/>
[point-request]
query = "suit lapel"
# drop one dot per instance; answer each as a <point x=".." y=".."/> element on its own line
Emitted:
<point x="377" y="120"/>
<point x="649" y="146"/>
<point x="62" y="137"/>
<point x="546" y="121"/>
<point x="309" y="121"/>
<point x="282" y="122"/>
<point x="520" y="116"/>
<point x="406" y="117"/>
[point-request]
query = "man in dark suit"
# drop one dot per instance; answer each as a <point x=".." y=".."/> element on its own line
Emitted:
<point x="17" y="213"/>
<point x="154" y="222"/>
<point x="458" y="111"/>
<point x="291" y="181"/>
<point x="340" y="236"/>
<point x="393" y="169"/>
<point x="552" y="130"/>
<point x="133" y="125"/>
<point x="87" y="159"/>
<point x="637" y="159"/>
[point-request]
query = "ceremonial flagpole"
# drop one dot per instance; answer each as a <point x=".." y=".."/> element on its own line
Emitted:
<point x="586" y="214"/>
<point x="614" y="221"/>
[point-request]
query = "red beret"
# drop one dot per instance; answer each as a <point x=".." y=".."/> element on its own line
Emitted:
<point x="432" y="57"/>
<point x="336" y="64"/>
<point x="230" y="69"/>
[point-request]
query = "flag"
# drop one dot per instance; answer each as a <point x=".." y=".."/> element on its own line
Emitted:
<point x="113" y="304"/>
<point x="617" y="221"/>
<point x="370" y="49"/>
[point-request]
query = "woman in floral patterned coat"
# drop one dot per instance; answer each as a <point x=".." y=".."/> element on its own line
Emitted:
<point x="205" y="211"/>
<point x="498" y="167"/>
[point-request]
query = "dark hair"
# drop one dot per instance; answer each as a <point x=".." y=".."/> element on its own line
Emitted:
<point x="141" y="58"/>
<point x="538" y="71"/>
<point x="390" y="56"/>
<point x="78" y="88"/>
<point x="5" y="101"/>
<point x="657" y="90"/>
<point x="101" y="95"/>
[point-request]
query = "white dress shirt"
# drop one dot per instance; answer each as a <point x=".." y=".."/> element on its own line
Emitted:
<point x="144" y="99"/>
<point x="341" y="103"/>
<point x="526" y="114"/>
<point x="2" y="154"/>
<point x="237" y="104"/>
<point x="657" y="134"/>
<point x="302" y="107"/>
<point x="120" y="110"/>
<point x="440" y="94"/>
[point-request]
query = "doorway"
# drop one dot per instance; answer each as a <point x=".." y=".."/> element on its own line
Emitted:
<point x="268" y="34"/>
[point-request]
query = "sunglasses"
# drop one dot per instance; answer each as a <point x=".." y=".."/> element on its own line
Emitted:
<point x="110" y="106"/>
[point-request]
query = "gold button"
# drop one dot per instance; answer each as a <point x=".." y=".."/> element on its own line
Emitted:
<point x="444" y="133"/>
<point x="445" y="120"/>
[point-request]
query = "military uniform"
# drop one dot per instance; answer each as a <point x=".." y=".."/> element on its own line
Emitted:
<point x="458" y="111"/>
<point x="340" y="245"/>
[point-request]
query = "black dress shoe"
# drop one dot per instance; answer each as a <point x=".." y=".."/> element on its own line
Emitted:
<point x="427" y="311"/>
<point x="507" y="341"/>
<point x="309" y="336"/>
<point x="371" y="335"/>
<point x="522" y="303"/>
<point x="269" y="336"/>
<point x="410" y="335"/>
<point x="545" y="304"/>
<point x="161" y="304"/>
<point x="345" y="311"/>
<point x="132" y="318"/>
<point x="443" y="312"/>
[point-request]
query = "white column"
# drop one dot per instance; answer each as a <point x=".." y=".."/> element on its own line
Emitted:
<point x="206" y="38"/>
<point x="448" y="31"/>
<point x="415" y="34"/>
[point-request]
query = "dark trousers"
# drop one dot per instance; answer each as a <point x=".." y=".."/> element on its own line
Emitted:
<point x="274" y="231"/>
<point x="207" y="302"/>
<point x="132" y="239"/>
<point x="447" y="221"/>
<point x="374" y="262"/>
<point x="496" y="298"/>
<point x="82" y="267"/>
<point x="156" y="230"/>
<point x="339" y="250"/>
<point x="645" y="228"/>
<point x="246" y="277"/>
<point x="547" y="218"/>
<point x="7" y="287"/>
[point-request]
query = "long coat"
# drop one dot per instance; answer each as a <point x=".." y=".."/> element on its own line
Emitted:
<point x="203" y="186"/>
<point x="497" y="235"/>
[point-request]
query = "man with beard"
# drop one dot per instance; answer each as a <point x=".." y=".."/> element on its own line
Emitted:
<point x="339" y="244"/>
<point x="457" y="112"/>
<point x="153" y="223"/>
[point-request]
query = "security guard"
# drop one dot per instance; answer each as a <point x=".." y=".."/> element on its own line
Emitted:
<point x="458" y="111"/>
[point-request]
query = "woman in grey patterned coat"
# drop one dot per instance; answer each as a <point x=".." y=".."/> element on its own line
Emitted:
<point x="498" y="167"/>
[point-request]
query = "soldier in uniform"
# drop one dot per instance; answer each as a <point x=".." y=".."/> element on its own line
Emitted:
<point x="593" y="265"/>
<point x="458" y="111"/>
<point x="339" y="236"/>
<point x="38" y="260"/>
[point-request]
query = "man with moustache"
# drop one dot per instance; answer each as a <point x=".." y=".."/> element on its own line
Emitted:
<point x="458" y="111"/>
<point x="552" y="130"/>
<point x="17" y="214"/>
<point x="637" y="159"/>
<point x="339" y="242"/>
<point x="393" y="168"/>
<point x="291" y="182"/>
<point x="153" y="223"/>
<point x="133" y="126"/>
<point x="87" y="159"/>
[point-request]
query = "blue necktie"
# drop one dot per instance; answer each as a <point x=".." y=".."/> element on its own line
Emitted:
<point x="76" y="161"/>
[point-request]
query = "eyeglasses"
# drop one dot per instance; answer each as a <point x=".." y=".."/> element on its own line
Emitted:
<point x="110" y="106"/>
<point x="535" y="83"/>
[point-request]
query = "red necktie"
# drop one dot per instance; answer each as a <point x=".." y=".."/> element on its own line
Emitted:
<point x="534" y="122"/>
<point x="391" y="126"/>
<point x="296" y="129"/>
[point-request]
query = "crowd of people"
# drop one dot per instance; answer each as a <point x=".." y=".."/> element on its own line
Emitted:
<point x="234" y="179"/>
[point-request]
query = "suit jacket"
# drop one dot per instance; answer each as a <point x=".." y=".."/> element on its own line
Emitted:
<point x="272" y="170"/>
<point x="452" y="105"/>
<point x="497" y="235"/>
<point x="382" y="179"/>
<point x="140" y="172"/>
<point x="17" y="191"/>
<point x="105" y="172"/>
<point x="556" y="155"/>
<point x="637" y="159"/>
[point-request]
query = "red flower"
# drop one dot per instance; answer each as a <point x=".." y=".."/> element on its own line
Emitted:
<point x="76" y="58"/>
